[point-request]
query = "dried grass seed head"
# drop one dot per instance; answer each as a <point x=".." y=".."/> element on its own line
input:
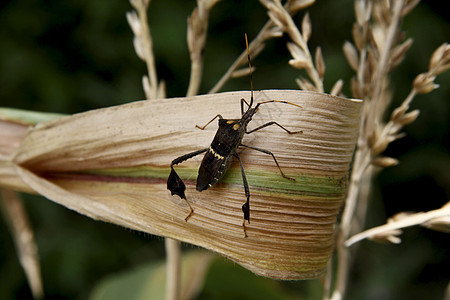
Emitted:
<point x="296" y="5"/>
<point x="300" y="60"/>
<point x="408" y="6"/>
<point x="398" y="53"/>
<point x="441" y="224"/>
<point x="408" y="117"/>
<point x="363" y="10"/>
<point x="133" y="21"/>
<point x="337" y="88"/>
<point x="320" y="63"/>
<point x="306" y="27"/>
<point x="351" y="54"/>
<point x="389" y="236"/>
<point x="440" y="60"/>
<point x="305" y="84"/>
<point x="384" y="161"/>
<point x="424" y="83"/>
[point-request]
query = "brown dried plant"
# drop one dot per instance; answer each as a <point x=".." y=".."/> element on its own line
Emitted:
<point x="268" y="31"/>
<point x="196" y="39"/>
<point x="377" y="50"/>
<point x="22" y="232"/>
<point x="143" y="45"/>
<point x="319" y="161"/>
<point x="302" y="58"/>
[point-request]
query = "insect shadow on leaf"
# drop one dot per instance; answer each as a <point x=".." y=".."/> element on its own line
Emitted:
<point x="219" y="154"/>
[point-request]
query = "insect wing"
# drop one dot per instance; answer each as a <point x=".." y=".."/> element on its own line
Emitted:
<point x="211" y="170"/>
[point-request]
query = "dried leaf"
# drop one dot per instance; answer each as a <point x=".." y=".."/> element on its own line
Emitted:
<point x="117" y="166"/>
<point x="22" y="232"/>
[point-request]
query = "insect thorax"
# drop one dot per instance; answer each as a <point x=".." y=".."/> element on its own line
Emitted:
<point x="230" y="132"/>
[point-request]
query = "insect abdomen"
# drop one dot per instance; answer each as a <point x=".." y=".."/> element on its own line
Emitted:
<point x="218" y="156"/>
<point x="212" y="168"/>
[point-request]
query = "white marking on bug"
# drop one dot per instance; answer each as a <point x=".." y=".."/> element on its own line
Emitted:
<point x="217" y="155"/>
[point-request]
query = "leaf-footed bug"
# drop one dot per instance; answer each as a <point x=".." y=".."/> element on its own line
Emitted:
<point x="223" y="147"/>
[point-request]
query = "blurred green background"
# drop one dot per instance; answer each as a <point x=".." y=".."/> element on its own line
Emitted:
<point x="76" y="55"/>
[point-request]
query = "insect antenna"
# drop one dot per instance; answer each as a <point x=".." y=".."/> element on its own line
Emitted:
<point x="251" y="76"/>
<point x="277" y="101"/>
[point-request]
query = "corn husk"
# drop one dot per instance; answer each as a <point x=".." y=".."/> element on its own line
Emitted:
<point x="112" y="164"/>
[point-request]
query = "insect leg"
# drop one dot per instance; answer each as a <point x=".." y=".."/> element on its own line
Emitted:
<point x="246" y="206"/>
<point x="242" y="105"/>
<point x="174" y="183"/>
<point x="218" y="116"/>
<point x="273" y="156"/>
<point x="273" y="123"/>
<point x="182" y="158"/>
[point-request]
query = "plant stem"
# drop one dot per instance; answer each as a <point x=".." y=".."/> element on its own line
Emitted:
<point x="172" y="269"/>
<point x="374" y="108"/>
